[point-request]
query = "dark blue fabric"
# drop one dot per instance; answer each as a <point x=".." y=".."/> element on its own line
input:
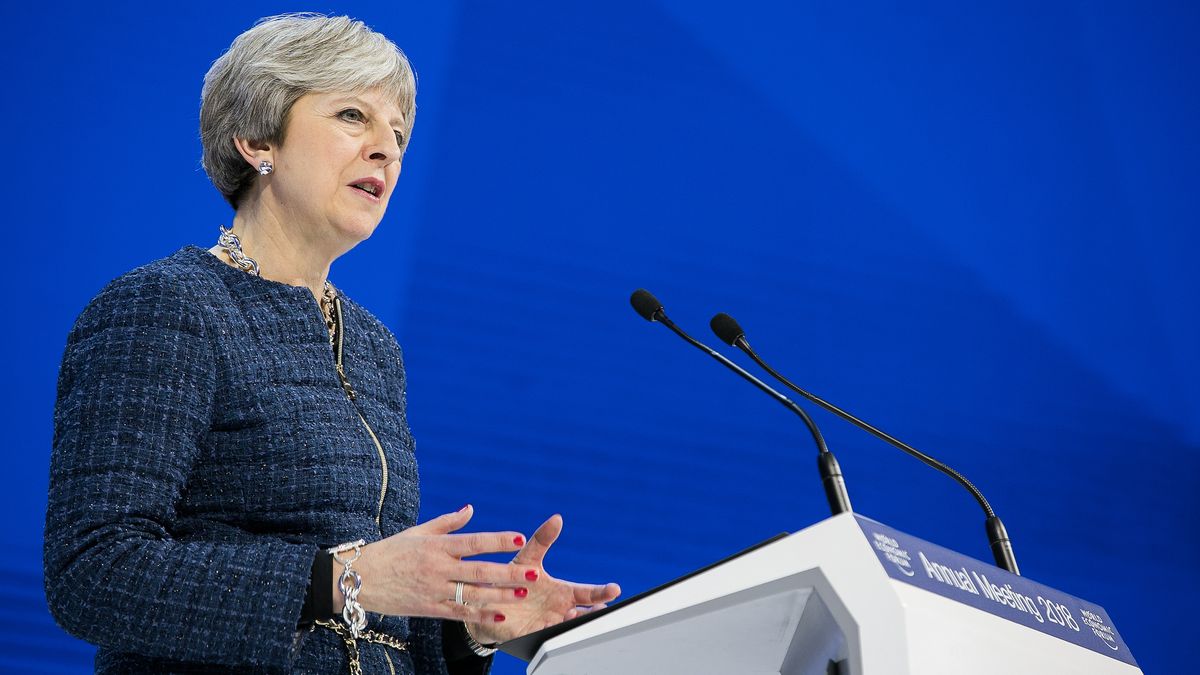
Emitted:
<point x="203" y="450"/>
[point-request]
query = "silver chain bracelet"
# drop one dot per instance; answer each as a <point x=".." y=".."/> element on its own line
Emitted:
<point x="473" y="644"/>
<point x="477" y="647"/>
<point x="350" y="584"/>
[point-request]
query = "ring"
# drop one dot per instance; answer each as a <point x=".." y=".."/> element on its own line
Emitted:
<point x="458" y="593"/>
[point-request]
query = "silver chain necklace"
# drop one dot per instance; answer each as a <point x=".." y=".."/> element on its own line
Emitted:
<point x="229" y="242"/>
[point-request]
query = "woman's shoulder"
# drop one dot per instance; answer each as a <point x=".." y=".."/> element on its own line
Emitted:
<point x="185" y="270"/>
<point x="172" y="292"/>
<point x="151" y="318"/>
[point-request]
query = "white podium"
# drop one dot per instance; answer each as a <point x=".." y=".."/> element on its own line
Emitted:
<point x="847" y="596"/>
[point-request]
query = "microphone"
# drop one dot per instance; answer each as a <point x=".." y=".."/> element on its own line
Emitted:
<point x="728" y="330"/>
<point x="650" y="309"/>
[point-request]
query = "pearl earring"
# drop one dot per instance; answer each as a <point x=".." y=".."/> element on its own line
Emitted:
<point x="265" y="168"/>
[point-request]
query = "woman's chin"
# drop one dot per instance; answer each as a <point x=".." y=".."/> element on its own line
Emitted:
<point x="353" y="231"/>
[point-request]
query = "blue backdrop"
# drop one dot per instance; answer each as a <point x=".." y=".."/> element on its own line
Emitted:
<point x="973" y="225"/>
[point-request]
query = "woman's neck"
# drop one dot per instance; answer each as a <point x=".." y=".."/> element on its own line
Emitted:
<point x="283" y="253"/>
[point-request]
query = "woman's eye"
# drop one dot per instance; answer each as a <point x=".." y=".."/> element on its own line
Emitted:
<point x="351" y="115"/>
<point x="400" y="138"/>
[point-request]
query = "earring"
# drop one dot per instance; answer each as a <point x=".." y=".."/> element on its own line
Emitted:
<point x="265" y="168"/>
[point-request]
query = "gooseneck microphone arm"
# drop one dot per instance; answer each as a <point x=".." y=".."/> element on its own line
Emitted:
<point x="650" y="309"/>
<point x="728" y="330"/>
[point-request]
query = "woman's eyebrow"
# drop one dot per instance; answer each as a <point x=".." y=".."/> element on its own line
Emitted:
<point x="350" y="98"/>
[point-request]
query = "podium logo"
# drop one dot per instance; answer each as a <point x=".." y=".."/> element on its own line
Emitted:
<point x="890" y="549"/>
<point x="1100" y="628"/>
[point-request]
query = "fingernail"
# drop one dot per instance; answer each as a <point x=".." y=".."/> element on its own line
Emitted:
<point x="464" y="508"/>
<point x="498" y="618"/>
<point x="531" y="575"/>
<point x="520" y="592"/>
<point x="519" y="540"/>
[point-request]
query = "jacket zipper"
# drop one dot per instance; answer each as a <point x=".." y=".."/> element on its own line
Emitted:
<point x="353" y="396"/>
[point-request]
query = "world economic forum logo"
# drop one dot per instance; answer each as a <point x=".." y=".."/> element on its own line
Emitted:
<point x="890" y="550"/>
<point x="1100" y="627"/>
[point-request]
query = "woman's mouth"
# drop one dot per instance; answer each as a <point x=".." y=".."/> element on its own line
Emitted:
<point x="371" y="188"/>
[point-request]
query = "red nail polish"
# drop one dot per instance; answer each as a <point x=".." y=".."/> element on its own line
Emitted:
<point x="520" y="592"/>
<point x="531" y="575"/>
<point x="519" y="540"/>
<point x="498" y="618"/>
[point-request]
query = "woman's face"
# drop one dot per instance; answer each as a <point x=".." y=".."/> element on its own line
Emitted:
<point x="337" y="165"/>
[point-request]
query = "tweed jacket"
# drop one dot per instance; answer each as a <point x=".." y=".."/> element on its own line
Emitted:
<point x="204" y="450"/>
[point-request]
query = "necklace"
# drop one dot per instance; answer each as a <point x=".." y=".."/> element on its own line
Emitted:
<point x="328" y="301"/>
<point x="229" y="242"/>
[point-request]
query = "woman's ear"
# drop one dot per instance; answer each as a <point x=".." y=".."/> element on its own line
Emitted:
<point x="254" y="152"/>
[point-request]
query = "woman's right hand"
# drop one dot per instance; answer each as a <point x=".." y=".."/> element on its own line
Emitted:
<point x="415" y="572"/>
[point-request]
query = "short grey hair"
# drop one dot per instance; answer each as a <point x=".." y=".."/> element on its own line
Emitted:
<point x="249" y="91"/>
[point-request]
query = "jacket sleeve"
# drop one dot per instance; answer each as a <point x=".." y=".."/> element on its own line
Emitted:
<point x="439" y="648"/>
<point x="135" y="394"/>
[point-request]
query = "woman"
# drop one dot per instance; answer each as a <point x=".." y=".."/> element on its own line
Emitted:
<point x="230" y="429"/>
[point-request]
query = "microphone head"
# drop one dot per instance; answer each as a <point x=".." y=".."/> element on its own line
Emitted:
<point x="645" y="304"/>
<point x="727" y="329"/>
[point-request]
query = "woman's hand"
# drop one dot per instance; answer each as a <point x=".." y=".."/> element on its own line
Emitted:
<point x="415" y="573"/>
<point x="549" y="600"/>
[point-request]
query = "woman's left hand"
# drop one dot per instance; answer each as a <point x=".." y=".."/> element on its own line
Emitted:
<point x="550" y="600"/>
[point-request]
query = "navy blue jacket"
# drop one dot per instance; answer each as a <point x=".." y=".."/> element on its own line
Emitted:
<point x="204" y="450"/>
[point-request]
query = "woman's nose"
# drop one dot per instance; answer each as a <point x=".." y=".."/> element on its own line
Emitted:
<point x="384" y="147"/>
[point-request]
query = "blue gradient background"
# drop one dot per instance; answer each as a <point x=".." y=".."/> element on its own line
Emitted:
<point x="973" y="225"/>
